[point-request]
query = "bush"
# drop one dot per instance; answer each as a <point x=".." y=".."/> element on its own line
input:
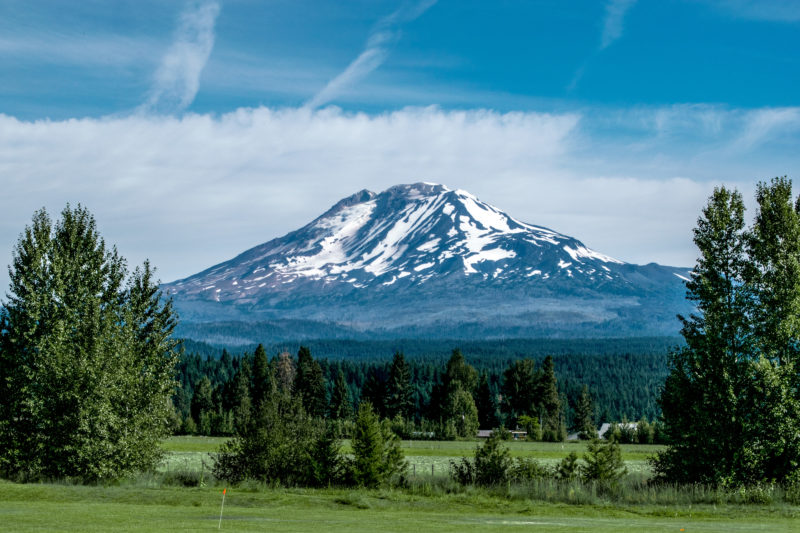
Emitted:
<point x="463" y="471"/>
<point x="527" y="469"/>
<point x="492" y="462"/>
<point x="603" y="462"/>
<point x="277" y="446"/>
<point x="492" y="465"/>
<point x="568" y="468"/>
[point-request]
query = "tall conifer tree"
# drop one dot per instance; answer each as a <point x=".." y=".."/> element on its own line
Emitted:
<point x="399" y="394"/>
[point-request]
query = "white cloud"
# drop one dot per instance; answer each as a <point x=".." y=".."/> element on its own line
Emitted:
<point x="614" y="20"/>
<point x="762" y="125"/>
<point x="82" y="50"/>
<point x="191" y="191"/>
<point x="385" y="33"/>
<point x="177" y="79"/>
<point x="769" y="10"/>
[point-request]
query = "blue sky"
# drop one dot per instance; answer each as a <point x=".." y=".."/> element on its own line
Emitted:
<point x="196" y="129"/>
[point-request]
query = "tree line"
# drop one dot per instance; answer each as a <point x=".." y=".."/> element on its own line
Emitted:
<point x="422" y="398"/>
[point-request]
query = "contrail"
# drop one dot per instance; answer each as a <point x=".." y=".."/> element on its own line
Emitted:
<point x="383" y="35"/>
<point x="177" y="79"/>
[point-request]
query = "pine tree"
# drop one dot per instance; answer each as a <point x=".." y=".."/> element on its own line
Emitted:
<point x="86" y="357"/>
<point x="202" y="400"/>
<point x="327" y="463"/>
<point x="399" y="394"/>
<point x="492" y="461"/>
<point x="377" y="456"/>
<point x="459" y="374"/>
<point x="519" y="391"/>
<point x="374" y="392"/>
<point x="484" y="402"/>
<point x="284" y="371"/>
<point x="241" y="402"/>
<point x="309" y="383"/>
<point x="341" y="407"/>
<point x="550" y="403"/>
<point x="262" y="386"/>
<point x="584" y="416"/>
<point x="603" y="462"/>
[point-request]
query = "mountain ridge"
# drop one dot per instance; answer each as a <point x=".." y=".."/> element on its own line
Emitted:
<point x="426" y="258"/>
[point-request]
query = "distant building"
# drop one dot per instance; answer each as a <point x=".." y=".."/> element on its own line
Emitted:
<point x="515" y="434"/>
<point x="601" y="433"/>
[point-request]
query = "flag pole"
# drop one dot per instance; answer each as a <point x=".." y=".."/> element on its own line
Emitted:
<point x="221" y="508"/>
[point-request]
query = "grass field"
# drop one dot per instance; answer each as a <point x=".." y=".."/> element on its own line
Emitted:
<point x="538" y="450"/>
<point x="137" y="507"/>
<point x="189" y="453"/>
<point x="152" y="503"/>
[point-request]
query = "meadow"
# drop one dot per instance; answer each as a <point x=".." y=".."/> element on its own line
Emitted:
<point x="161" y="502"/>
<point x="425" y="458"/>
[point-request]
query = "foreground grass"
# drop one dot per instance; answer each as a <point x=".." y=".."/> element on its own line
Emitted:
<point x="147" y="506"/>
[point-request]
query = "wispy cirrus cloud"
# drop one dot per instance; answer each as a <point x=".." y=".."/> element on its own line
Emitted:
<point x="383" y="36"/>
<point x="177" y="79"/>
<point x="768" y="10"/>
<point x="613" y="25"/>
<point x="614" y="20"/>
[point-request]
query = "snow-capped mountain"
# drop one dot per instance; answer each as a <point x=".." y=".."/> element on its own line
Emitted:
<point x="424" y="257"/>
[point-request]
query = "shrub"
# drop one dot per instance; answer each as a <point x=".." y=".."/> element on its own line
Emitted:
<point x="568" y="467"/>
<point x="463" y="471"/>
<point x="276" y="446"/>
<point x="492" y="461"/>
<point x="527" y="469"/>
<point x="603" y="462"/>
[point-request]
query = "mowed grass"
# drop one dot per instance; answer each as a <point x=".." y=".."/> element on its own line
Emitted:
<point x="138" y="507"/>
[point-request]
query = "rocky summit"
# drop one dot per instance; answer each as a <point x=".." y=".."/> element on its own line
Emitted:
<point x="426" y="261"/>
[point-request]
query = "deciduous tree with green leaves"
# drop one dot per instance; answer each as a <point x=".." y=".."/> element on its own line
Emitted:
<point x="731" y="406"/>
<point x="87" y="360"/>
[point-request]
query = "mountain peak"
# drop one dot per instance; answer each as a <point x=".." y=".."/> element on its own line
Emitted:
<point x="411" y="233"/>
<point x="421" y="238"/>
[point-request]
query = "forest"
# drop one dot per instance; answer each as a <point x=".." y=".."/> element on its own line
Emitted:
<point x="622" y="377"/>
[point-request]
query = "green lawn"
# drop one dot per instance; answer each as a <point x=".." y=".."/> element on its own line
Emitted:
<point x="538" y="450"/>
<point x="191" y="453"/>
<point x="193" y="444"/>
<point x="37" y="507"/>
